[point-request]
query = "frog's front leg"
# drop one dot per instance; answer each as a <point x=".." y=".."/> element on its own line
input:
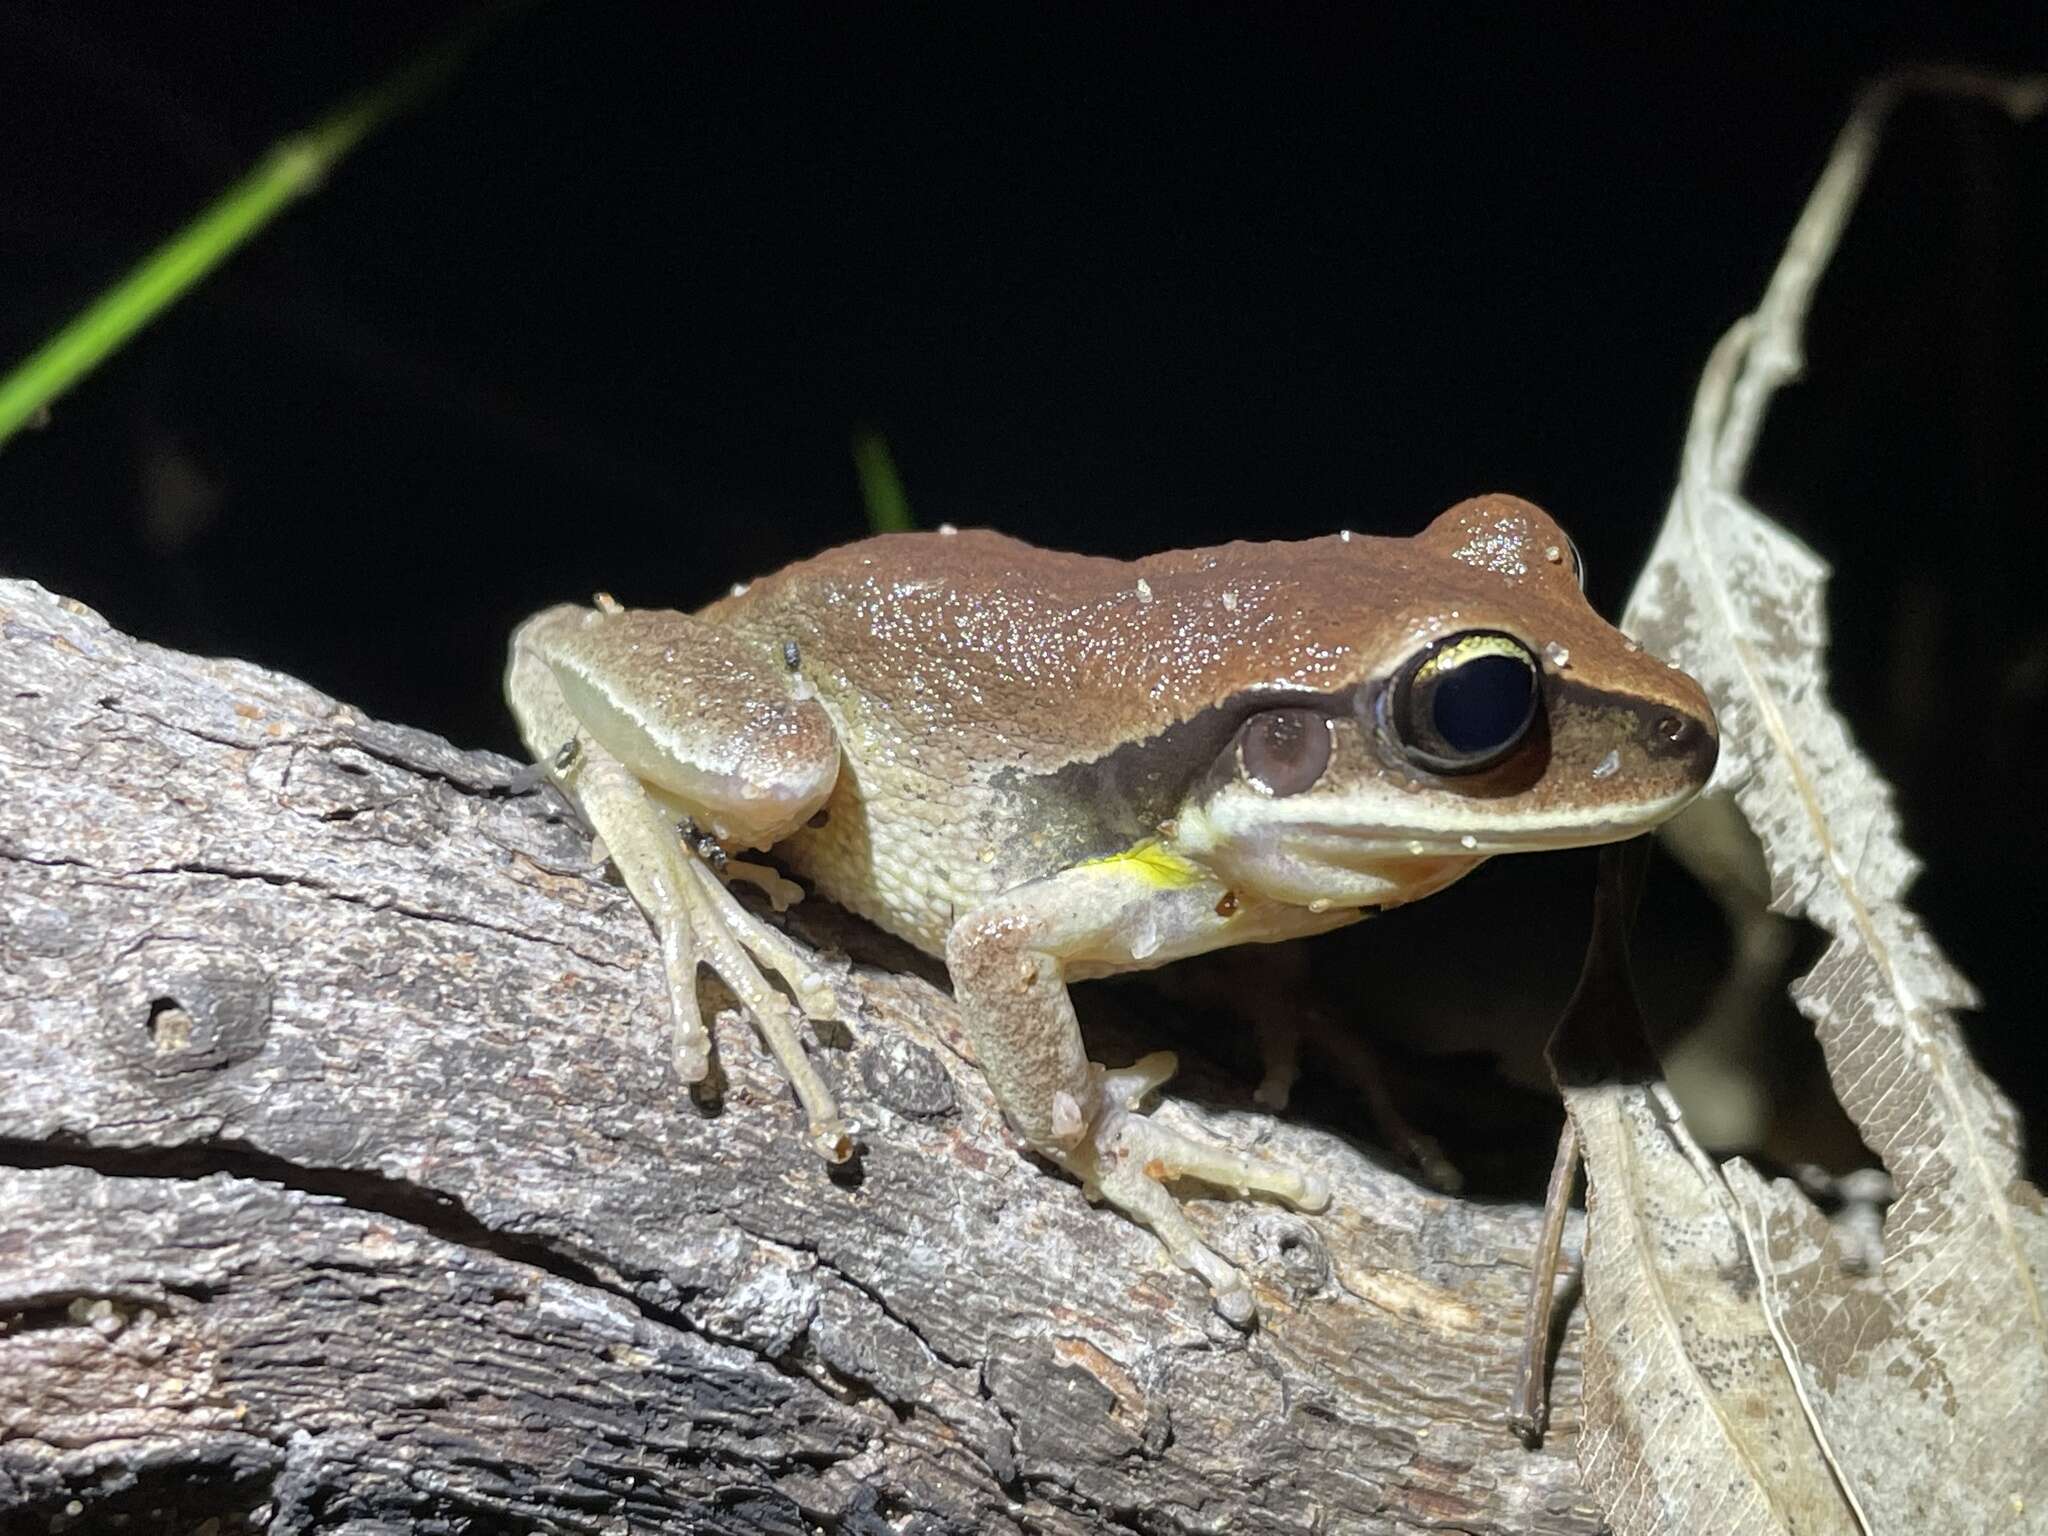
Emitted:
<point x="644" y="717"/>
<point x="1010" y="960"/>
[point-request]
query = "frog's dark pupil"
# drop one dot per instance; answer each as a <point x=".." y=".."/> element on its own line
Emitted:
<point x="1483" y="704"/>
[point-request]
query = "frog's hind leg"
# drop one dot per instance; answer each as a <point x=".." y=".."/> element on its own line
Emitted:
<point x="597" y="697"/>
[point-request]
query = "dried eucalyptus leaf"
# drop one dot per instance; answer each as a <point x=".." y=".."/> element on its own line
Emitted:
<point x="1927" y="1384"/>
<point x="1691" y="1421"/>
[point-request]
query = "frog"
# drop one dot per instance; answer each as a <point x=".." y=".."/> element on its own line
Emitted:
<point x="1045" y="767"/>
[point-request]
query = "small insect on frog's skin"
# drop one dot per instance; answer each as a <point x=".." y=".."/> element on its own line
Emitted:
<point x="1046" y="767"/>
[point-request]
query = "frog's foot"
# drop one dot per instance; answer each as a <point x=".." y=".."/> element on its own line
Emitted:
<point x="1127" y="1160"/>
<point x="730" y="939"/>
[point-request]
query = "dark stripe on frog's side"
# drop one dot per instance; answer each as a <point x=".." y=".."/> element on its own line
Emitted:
<point x="1091" y="810"/>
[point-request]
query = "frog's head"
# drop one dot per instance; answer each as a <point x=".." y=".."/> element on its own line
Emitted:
<point x="1486" y="709"/>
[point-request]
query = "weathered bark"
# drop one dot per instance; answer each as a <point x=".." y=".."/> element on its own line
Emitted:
<point x="344" y="1180"/>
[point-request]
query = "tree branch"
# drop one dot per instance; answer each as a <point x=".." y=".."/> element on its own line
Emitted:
<point x="343" y="1180"/>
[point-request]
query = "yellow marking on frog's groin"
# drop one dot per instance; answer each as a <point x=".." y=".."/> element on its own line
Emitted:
<point x="1152" y="862"/>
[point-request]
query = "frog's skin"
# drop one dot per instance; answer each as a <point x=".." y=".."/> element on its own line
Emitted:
<point x="1046" y="767"/>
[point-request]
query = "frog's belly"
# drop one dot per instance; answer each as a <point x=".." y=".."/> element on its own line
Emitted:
<point x="900" y="852"/>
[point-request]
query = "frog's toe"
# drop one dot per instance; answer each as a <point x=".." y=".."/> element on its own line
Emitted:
<point x="689" y="1044"/>
<point x="1278" y="1038"/>
<point x="1171" y="1154"/>
<point x="1123" y="1175"/>
<point x="1128" y="1160"/>
<point x="1126" y="1086"/>
<point x="782" y="893"/>
<point x="832" y="1139"/>
<point x="774" y="949"/>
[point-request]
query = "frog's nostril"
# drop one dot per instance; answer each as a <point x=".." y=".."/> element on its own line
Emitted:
<point x="1676" y="736"/>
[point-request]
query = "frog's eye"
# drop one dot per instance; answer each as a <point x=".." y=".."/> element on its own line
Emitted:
<point x="1466" y="702"/>
<point x="1578" y="561"/>
<point x="1284" y="751"/>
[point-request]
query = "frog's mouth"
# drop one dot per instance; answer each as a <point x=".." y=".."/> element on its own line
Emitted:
<point x="1497" y="831"/>
<point x="1380" y="863"/>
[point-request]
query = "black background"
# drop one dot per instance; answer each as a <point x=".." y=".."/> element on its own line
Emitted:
<point x="604" y="312"/>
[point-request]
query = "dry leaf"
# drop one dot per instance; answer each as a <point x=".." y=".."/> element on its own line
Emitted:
<point x="1692" y="1422"/>
<point x="1925" y="1387"/>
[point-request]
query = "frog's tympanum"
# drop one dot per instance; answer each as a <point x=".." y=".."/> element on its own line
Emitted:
<point x="1046" y="767"/>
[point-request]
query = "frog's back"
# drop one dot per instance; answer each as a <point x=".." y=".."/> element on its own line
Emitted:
<point x="1045" y="657"/>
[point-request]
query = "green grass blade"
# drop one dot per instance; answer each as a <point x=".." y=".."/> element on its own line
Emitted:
<point x="292" y="168"/>
<point x="880" y="486"/>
